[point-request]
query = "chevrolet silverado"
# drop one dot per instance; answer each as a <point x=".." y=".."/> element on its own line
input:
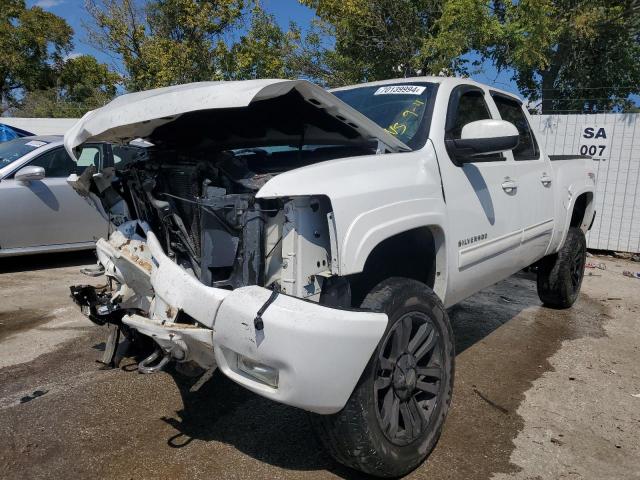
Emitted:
<point x="307" y="243"/>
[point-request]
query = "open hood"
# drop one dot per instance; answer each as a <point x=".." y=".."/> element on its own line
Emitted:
<point x="225" y="112"/>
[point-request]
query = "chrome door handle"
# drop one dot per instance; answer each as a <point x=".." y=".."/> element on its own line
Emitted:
<point x="545" y="179"/>
<point x="509" y="186"/>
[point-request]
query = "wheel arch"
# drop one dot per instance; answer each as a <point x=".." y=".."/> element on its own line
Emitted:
<point x="582" y="211"/>
<point x="418" y="253"/>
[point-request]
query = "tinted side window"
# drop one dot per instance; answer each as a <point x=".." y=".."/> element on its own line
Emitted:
<point x="56" y="163"/>
<point x="90" y="155"/>
<point x="511" y="111"/>
<point x="123" y="155"/>
<point x="471" y="107"/>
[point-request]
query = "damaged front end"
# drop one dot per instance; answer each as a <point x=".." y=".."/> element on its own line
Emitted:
<point x="216" y="275"/>
<point x="274" y="344"/>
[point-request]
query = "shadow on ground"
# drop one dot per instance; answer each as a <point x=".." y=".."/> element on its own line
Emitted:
<point x="488" y="391"/>
<point x="155" y="430"/>
<point x="46" y="261"/>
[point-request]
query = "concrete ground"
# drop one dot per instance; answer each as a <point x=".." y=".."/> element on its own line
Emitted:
<point x="539" y="394"/>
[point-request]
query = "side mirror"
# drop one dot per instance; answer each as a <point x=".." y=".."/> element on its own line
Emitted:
<point x="483" y="137"/>
<point x="29" y="173"/>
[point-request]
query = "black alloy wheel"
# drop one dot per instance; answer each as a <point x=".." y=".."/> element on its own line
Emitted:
<point x="395" y="414"/>
<point x="407" y="384"/>
<point x="577" y="267"/>
<point x="560" y="274"/>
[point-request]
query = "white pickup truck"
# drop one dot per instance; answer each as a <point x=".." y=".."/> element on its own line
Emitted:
<point x="307" y="243"/>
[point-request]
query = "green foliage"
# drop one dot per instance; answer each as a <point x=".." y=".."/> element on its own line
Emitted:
<point x="575" y="55"/>
<point x="164" y="42"/>
<point x="33" y="43"/>
<point x="265" y="51"/>
<point x="82" y="78"/>
<point x="462" y="26"/>
<point x="312" y="59"/>
<point x="375" y="40"/>
<point x="82" y="84"/>
<point x="50" y="104"/>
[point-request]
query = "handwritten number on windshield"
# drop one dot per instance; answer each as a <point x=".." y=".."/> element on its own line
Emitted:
<point x="410" y="114"/>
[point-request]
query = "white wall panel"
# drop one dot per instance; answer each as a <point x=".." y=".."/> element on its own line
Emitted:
<point x="613" y="140"/>
<point x="41" y="126"/>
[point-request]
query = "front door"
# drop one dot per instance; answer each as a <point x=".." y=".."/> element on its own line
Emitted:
<point x="482" y="204"/>
<point x="49" y="211"/>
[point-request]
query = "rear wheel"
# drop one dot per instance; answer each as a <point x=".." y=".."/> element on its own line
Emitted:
<point x="394" y="416"/>
<point x="560" y="275"/>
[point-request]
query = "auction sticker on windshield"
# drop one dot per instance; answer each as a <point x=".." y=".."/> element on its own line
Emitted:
<point x="400" y="90"/>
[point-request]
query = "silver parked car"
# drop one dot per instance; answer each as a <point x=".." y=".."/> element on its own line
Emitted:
<point x="39" y="211"/>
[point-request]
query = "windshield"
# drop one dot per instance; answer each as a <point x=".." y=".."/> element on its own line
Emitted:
<point x="399" y="108"/>
<point x="15" y="149"/>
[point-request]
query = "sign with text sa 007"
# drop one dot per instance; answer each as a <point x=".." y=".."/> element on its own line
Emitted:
<point x="595" y="142"/>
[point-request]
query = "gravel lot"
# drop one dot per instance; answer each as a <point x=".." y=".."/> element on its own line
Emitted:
<point x="539" y="393"/>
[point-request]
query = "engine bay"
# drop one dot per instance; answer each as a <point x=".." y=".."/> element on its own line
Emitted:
<point x="196" y="189"/>
<point x="204" y="212"/>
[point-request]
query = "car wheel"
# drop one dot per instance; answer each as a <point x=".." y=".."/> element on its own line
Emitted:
<point x="394" y="416"/>
<point x="560" y="275"/>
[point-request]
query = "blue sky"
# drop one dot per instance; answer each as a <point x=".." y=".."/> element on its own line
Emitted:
<point x="73" y="11"/>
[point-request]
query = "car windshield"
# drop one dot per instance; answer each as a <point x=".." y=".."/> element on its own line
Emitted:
<point x="399" y="108"/>
<point x="15" y="149"/>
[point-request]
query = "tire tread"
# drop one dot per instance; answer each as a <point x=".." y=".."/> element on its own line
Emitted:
<point x="553" y="282"/>
<point x="346" y="435"/>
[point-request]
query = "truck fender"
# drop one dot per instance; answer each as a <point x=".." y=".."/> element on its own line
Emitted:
<point x="372" y="198"/>
<point x="373" y="227"/>
<point x="575" y="194"/>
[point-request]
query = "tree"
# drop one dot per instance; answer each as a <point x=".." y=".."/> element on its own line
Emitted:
<point x="33" y="42"/>
<point x="82" y="78"/>
<point x="164" y="42"/>
<point x="396" y="38"/>
<point x="82" y="84"/>
<point x="265" y="51"/>
<point x="574" y="55"/>
<point x="375" y="40"/>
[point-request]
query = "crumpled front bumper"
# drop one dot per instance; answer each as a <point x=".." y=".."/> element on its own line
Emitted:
<point x="317" y="352"/>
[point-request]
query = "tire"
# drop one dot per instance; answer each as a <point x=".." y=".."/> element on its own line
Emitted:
<point x="395" y="414"/>
<point x="560" y="275"/>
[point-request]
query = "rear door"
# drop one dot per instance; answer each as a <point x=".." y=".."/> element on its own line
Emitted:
<point x="535" y="183"/>
<point x="482" y="203"/>
<point x="49" y="211"/>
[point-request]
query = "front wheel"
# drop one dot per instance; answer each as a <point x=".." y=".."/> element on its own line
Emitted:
<point x="560" y="275"/>
<point x="394" y="416"/>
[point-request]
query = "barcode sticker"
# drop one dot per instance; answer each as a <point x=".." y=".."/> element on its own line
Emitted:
<point x="400" y="90"/>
